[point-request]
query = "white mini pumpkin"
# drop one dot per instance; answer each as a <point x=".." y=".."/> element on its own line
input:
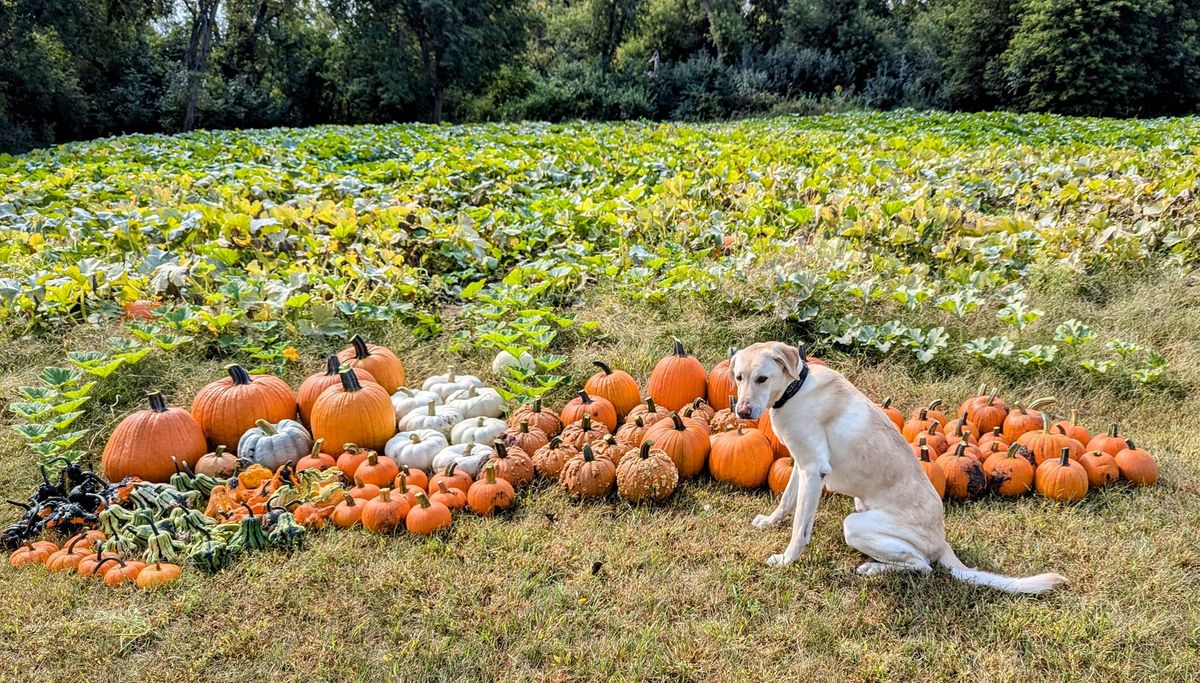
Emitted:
<point x="416" y="450"/>
<point x="432" y="416"/>
<point x="505" y="360"/>
<point x="406" y="400"/>
<point x="468" y="457"/>
<point x="477" y="402"/>
<point x="444" y="385"/>
<point x="273" y="445"/>
<point x="478" y="430"/>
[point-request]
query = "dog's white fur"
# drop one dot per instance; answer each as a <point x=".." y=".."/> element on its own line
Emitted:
<point x="842" y="440"/>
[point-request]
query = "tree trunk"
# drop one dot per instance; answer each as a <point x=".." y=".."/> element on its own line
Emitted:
<point x="195" y="60"/>
<point x="439" y="101"/>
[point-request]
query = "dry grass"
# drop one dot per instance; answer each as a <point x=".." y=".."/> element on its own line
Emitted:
<point x="681" y="592"/>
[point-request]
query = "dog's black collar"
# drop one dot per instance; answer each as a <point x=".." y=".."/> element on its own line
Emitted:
<point x="793" y="388"/>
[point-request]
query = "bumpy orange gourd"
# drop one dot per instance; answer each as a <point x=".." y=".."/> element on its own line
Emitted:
<point x="1009" y="474"/>
<point x="512" y="464"/>
<point x="646" y="474"/>
<point x="677" y="379"/>
<point x="586" y="430"/>
<point x="220" y="464"/>
<point x="313" y="386"/>
<point x="1137" y="465"/>
<point x="741" y="457"/>
<point x="1062" y="479"/>
<point x="548" y="460"/>
<point x="490" y="493"/>
<point x="538" y="417"/>
<point x="599" y="408"/>
<point x="649" y="411"/>
<point x="231" y="406"/>
<point x="354" y="413"/>
<point x="143" y="443"/>
<point x="525" y="437"/>
<point x="618" y="386"/>
<point x="587" y="476"/>
<point x="384" y="366"/>
<point x="685" y="440"/>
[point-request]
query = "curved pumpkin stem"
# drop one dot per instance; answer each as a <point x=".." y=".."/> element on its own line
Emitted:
<point x="1037" y="403"/>
<point x="361" y="350"/>
<point x="679" y="425"/>
<point x="157" y="403"/>
<point x="332" y="365"/>
<point x="267" y="427"/>
<point x="604" y="367"/>
<point x="887" y="402"/>
<point x="644" y="451"/>
<point x="238" y="374"/>
<point x="584" y="398"/>
<point x="1012" y="450"/>
<point x="500" y="448"/>
<point x="349" y="499"/>
<point x="423" y="499"/>
<point x="1130" y="444"/>
<point x="934" y="404"/>
<point x="555" y="443"/>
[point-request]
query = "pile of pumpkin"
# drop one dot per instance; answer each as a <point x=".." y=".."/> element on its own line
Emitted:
<point x="990" y="448"/>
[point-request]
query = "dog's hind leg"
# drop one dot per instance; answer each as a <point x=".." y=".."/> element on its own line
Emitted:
<point x="873" y="534"/>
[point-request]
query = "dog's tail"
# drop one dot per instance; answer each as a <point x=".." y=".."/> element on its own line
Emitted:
<point x="1009" y="584"/>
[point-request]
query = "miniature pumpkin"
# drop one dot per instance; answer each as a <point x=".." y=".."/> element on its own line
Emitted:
<point x="32" y="553"/>
<point x="452" y="498"/>
<point x="632" y="431"/>
<point x="1021" y="419"/>
<point x="229" y="407"/>
<point x="649" y="411"/>
<point x="701" y="410"/>
<point x="453" y="477"/>
<point x="986" y="411"/>
<point x="123" y="573"/>
<point x="470" y="457"/>
<point x="1111" y="442"/>
<point x="685" y="440"/>
<point x="1043" y="443"/>
<point x="646" y="474"/>
<point x="383" y="365"/>
<point x="780" y="473"/>
<point x="741" y="457"/>
<point x="89" y="565"/>
<point x="348" y="513"/>
<point x="616" y="386"/>
<point x="143" y="443"/>
<point x="376" y="470"/>
<point x="67" y="558"/>
<point x="405" y="400"/>
<point x="415" y="477"/>
<point x="220" y="464"/>
<point x="677" y="379"/>
<point x="352" y="456"/>
<point x="490" y="493"/>
<point x="512" y="464"/>
<point x="721" y="387"/>
<point x="416" y="449"/>
<point x="599" y="408"/>
<point x="613" y="449"/>
<point x="427" y="516"/>
<point x="538" y="417"/>
<point x="316" y="460"/>
<point x="1137" y="465"/>
<point x="1009" y="474"/>
<point x="477" y="402"/>
<point x="1101" y="468"/>
<point x="1073" y="429"/>
<point x="406" y="489"/>
<point x="275" y="445"/>
<point x="1062" y="479"/>
<point x="893" y="414"/>
<point x="548" y="460"/>
<point x="385" y="513"/>
<point x="986" y="440"/>
<point x="933" y="471"/>
<point x="965" y="478"/>
<point x="364" y="491"/>
<point x="157" y="575"/>
<point x="314" y="385"/>
<point x="586" y="430"/>
<point x="478" y="430"/>
<point x="914" y="426"/>
<point x="935" y="439"/>
<point x="444" y="385"/>
<point x="432" y="416"/>
<point x="586" y="476"/>
<point x="527" y="438"/>
<point x="930" y="412"/>
<point x="354" y="413"/>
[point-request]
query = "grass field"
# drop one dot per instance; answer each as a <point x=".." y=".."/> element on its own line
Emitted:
<point x="558" y="590"/>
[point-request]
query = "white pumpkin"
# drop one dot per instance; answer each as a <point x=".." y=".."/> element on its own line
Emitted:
<point x="483" y="430"/>
<point x="432" y="416"/>
<point x="273" y="445"/>
<point x="444" y="385"/>
<point x="406" y="400"/>
<point x="477" y="402"/>
<point x="468" y="457"/>
<point x="505" y="360"/>
<point x="416" y="450"/>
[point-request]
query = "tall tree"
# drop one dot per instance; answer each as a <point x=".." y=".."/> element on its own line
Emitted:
<point x="195" y="59"/>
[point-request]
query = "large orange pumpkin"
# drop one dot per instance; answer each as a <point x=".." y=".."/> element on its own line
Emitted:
<point x="685" y="440"/>
<point x="354" y="413"/>
<point x="721" y="387"/>
<point x="384" y="366"/>
<point x="677" y="380"/>
<point x="601" y="410"/>
<point x="618" y="386"/>
<point x="314" y="385"/>
<point x="229" y="407"/>
<point x="741" y="457"/>
<point x="143" y="443"/>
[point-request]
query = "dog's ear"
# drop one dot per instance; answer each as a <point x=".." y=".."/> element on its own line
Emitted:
<point x="788" y="358"/>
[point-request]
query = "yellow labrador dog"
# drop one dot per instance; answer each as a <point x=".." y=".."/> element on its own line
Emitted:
<point x="839" y="438"/>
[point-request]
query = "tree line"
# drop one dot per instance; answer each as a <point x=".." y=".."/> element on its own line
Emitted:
<point x="74" y="69"/>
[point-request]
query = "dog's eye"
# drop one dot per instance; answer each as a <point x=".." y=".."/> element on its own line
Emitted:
<point x="760" y="379"/>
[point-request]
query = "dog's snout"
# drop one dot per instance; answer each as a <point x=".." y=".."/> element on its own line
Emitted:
<point x="744" y="411"/>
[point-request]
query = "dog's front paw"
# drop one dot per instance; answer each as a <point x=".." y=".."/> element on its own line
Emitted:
<point x="764" y="522"/>
<point x="780" y="560"/>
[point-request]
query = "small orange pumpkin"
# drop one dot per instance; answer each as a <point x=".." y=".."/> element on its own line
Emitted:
<point x="1073" y="429"/>
<point x="937" y="477"/>
<point x="1062" y="479"/>
<point x="965" y="478"/>
<point x="450" y="497"/>
<point x="1101" y="468"/>
<point x="316" y="460"/>
<point x="490" y="493"/>
<point x="385" y="513"/>
<point x="452" y="477"/>
<point x="348" y="513"/>
<point x="1137" y="465"/>
<point x="1009" y="474"/>
<point x="780" y="473"/>
<point x="427" y="517"/>
<point x="1021" y="419"/>
<point x="601" y="410"/>
<point x="893" y="414"/>
<point x="1111" y="442"/>
<point x="741" y="457"/>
